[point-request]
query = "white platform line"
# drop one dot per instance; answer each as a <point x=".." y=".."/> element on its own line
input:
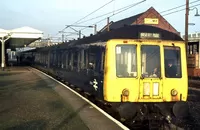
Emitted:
<point x="99" y="109"/>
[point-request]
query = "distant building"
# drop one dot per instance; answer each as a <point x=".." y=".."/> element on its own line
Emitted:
<point x="149" y="17"/>
<point x="43" y="43"/>
<point x="193" y="37"/>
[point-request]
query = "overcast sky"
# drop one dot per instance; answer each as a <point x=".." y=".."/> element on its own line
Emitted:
<point x="50" y="16"/>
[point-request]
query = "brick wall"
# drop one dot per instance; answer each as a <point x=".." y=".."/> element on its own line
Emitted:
<point x="152" y="13"/>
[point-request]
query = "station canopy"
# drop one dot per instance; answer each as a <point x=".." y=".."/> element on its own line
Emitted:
<point x="20" y="37"/>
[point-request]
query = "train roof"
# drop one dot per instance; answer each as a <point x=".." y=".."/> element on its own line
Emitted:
<point x="127" y="32"/>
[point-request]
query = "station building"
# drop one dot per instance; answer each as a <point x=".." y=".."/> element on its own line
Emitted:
<point x="150" y="17"/>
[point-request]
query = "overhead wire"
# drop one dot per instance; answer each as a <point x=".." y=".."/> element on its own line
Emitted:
<point x="94" y="11"/>
<point x="179" y="10"/>
<point x="166" y="10"/>
<point x="131" y="6"/>
<point x="127" y="7"/>
<point x="179" y="6"/>
<point x="86" y="15"/>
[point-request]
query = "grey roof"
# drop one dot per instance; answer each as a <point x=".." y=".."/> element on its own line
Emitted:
<point x="123" y="22"/>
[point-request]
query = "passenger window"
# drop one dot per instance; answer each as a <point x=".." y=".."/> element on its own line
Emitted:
<point x="150" y="58"/>
<point x="126" y="61"/>
<point x="172" y="62"/>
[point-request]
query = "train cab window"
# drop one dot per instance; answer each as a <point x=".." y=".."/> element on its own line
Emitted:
<point x="126" y="61"/>
<point x="150" y="58"/>
<point x="172" y="62"/>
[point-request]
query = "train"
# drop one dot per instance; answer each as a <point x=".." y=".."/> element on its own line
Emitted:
<point x="139" y="70"/>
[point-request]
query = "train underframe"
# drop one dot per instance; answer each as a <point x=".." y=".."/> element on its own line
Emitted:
<point x="140" y="112"/>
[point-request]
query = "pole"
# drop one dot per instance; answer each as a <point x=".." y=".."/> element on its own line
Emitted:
<point x="63" y="38"/>
<point x="108" y="28"/>
<point x="95" y="29"/>
<point x="79" y="34"/>
<point x="186" y="27"/>
<point x="2" y="53"/>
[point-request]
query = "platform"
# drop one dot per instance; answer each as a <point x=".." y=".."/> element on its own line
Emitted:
<point x="31" y="100"/>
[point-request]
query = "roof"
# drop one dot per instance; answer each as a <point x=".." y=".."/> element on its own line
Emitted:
<point x="123" y="22"/>
<point x="26" y="29"/>
<point x="21" y="36"/>
<point x="127" y="32"/>
<point x="3" y="32"/>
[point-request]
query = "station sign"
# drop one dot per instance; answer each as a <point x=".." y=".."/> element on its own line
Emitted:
<point x="151" y="20"/>
<point x="149" y="35"/>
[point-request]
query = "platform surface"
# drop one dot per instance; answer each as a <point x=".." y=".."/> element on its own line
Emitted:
<point x="31" y="100"/>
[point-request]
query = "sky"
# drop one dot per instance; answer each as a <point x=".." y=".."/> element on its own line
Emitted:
<point x="51" y="16"/>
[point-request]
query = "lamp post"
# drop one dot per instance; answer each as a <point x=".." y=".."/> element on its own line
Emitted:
<point x="186" y="23"/>
<point x="186" y="26"/>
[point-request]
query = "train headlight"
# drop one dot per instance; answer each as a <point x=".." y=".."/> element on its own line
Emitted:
<point x="125" y="92"/>
<point x="174" y="92"/>
<point x="155" y="89"/>
<point x="146" y="91"/>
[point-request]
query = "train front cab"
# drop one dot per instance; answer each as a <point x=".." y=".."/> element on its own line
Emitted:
<point x="130" y="77"/>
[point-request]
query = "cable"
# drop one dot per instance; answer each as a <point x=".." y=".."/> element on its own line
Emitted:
<point x="179" y="6"/>
<point x="126" y="8"/>
<point x="179" y="10"/>
<point x="123" y="10"/>
<point x="94" y="11"/>
<point x="87" y="15"/>
<point x="107" y="13"/>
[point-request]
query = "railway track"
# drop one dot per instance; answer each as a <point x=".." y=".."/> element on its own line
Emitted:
<point x="146" y="124"/>
<point x="194" y="83"/>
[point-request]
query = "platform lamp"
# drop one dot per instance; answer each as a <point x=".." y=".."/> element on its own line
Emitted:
<point x="197" y="14"/>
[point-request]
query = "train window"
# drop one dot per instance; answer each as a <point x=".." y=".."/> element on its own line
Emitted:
<point x="194" y="49"/>
<point x="172" y="62"/>
<point x="150" y="58"/>
<point x="92" y="60"/>
<point x="126" y="61"/>
<point x="75" y="60"/>
<point x="102" y="60"/>
<point x="82" y="55"/>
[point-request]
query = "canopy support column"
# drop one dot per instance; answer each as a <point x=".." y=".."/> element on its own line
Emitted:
<point x="3" y="64"/>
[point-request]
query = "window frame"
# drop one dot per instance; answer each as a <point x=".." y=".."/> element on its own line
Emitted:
<point x="136" y="57"/>
<point x="159" y="60"/>
<point x="181" y="75"/>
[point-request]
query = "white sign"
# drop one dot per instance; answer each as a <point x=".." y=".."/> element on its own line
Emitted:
<point x="118" y="50"/>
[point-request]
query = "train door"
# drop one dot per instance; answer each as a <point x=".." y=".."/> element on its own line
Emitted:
<point x="126" y="71"/>
<point x="150" y="79"/>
